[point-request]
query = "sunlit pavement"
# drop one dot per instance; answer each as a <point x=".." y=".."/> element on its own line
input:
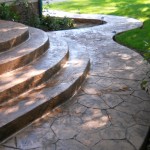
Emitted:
<point x="51" y="1"/>
<point x="110" y="112"/>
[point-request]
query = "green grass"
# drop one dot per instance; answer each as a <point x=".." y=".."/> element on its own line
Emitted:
<point x="138" y="39"/>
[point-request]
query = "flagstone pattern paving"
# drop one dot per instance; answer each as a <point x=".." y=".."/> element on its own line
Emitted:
<point x="110" y="111"/>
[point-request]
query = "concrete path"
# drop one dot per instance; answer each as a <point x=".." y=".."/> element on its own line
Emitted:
<point x="110" y="112"/>
<point x="52" y="1"/>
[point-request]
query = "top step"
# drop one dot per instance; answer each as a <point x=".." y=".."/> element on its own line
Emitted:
<point x="12" y="34"/>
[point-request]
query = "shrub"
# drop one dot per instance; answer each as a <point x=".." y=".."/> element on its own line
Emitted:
<point x="53" y="23"/>
<point x="6" y="13"/>
<point x="26" y="15"/>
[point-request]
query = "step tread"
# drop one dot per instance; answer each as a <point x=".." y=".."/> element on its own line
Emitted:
<point x="51" y="91"/>
<point x="13" y="57"/>
<point x="31" y="75"/>
<point x="12" y="34"/>
<point x="36" y="37"/>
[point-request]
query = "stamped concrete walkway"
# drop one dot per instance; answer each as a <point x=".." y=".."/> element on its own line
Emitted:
<point x="110" y="112"/>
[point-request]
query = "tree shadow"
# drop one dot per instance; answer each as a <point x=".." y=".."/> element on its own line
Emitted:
<point x="130" y="8"/>
<point x="140" y="11"/>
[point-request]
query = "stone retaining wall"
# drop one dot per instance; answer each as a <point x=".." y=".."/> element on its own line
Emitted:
<point x="10" y="1"/>
<point x="34" y="4"/>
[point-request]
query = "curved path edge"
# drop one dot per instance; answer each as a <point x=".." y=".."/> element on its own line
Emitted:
<point x="110" y="111"/>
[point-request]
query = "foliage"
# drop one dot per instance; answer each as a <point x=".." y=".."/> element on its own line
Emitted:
<point x="147" y="55"/>
<point x="26" y="14"/>
<point x="53" y="23"/>
<point x="138" y="39"/>
<point x="6" y="13"/>
<point x="145" y="84"/>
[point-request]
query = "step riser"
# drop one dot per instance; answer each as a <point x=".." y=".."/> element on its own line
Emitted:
<point x="22" y="61"/>
<point x="16" y="125"/>
<point x="32" y="82"/>
<point x="12" y="34"/>
<point x="4" y="46"/>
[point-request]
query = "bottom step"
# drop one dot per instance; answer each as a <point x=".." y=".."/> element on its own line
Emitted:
<point x="21" y="111"/>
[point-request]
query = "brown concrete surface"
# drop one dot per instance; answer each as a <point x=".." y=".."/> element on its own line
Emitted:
<point x="110" y="111"/>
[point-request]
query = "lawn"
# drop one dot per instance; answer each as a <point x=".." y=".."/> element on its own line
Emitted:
<point x="138" y="39"/>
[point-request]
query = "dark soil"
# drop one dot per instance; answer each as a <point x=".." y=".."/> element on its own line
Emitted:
<point x="84" y="23"/>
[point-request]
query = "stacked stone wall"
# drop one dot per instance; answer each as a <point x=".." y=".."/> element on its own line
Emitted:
<point x="34" y="4"/>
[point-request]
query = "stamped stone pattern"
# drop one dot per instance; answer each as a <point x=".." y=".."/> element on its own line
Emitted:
<point x="92" y="101"/>
<point x="143" y="118"/>
<point x="112" y="100"/>
<point x="120" y="118"/>
<point x="89" y="138"/>
<point x="66" y="127"/>
<point x="131" y="99"/>
<point x="142" y="95"/>
<point x="70" y="145"/>
<point x="110" y="111"/>
<point x="113" y="132"/>
<point x="113" y="144"/>
<point x="127" y="108"/>
<point x="135" y="135"/>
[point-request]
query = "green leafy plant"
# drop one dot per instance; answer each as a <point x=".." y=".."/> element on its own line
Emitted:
<point x="27" y="13"/>
<point x="6" y="13"/>
<point x="23" y="11"/>
<point x="54" y="23"/>
<point x="139" y="9"/>
<point x="145" y="85"/>
<point x="147" y="53"/>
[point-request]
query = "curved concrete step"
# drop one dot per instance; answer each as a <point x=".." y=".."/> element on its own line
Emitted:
<point x="21" y="111"/>
<point x="26" y="52"/>
<point x="12" y="34"/>
<point x="18" y="81"/>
